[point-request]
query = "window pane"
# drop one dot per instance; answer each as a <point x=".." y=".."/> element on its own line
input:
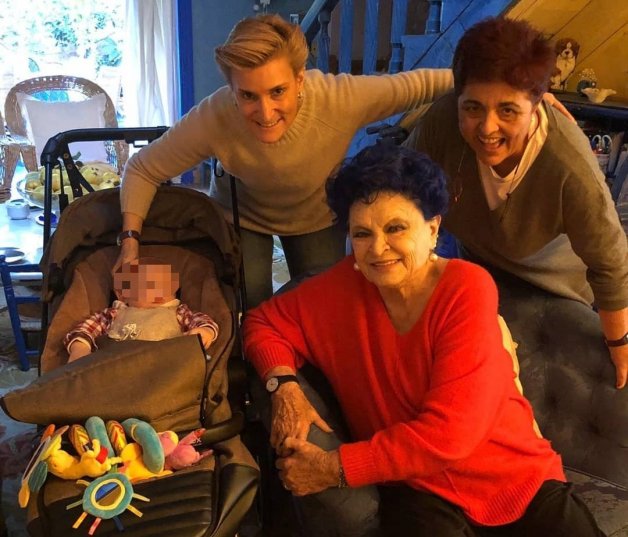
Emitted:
<point x="68" y="37"/>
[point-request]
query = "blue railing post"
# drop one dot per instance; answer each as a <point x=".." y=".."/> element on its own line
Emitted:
<point x="370" y="37"/>
<point x="311" y="26"/>
<point x="434" y="17"/>
<point x="346" y="36"/>
<point x="322" y="62"/>
<point x="398" y="28"/>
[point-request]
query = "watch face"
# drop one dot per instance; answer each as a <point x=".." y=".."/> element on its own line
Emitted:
<point x="272" y="384"/>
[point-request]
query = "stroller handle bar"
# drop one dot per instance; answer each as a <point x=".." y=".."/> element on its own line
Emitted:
<point x="55" y="146"/>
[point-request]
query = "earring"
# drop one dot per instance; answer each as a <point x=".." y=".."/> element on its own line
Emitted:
<point x="433" y="256"/>
<point x="300" y="96"/>
<point x="356" y="267"/>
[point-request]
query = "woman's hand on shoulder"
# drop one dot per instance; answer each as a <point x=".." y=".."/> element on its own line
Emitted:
<point x="292" y="415"/>
<point x="551" y="99"/>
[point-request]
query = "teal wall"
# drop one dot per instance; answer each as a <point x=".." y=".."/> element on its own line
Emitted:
<point x="211" y="22"/>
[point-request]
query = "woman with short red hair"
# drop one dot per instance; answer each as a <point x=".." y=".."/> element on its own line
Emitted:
<point x="528" y="199"/>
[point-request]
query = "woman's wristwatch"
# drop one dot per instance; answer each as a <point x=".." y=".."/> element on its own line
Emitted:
<point x="127" y="234"/>
<point x="273" y="383"/>
<point x="617" y="342"/>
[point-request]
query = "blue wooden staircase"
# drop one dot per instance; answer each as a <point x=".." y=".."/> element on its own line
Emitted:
<point x="446" y="21"/>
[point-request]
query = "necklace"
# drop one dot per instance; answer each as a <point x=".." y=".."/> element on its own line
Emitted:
<point x="510" y="189"/>
<point x="457" y="186"/>
<point x="534" y="125"/>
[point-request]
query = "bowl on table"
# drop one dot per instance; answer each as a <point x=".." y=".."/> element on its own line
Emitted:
<point x="98" y="174"/>
<point x="11" y="254"/>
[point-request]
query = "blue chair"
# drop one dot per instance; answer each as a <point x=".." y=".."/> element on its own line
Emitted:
<point x="10" y="274"/>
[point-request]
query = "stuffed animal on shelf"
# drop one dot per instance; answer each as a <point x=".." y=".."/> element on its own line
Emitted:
<point x="567" y="50"/>
<point x="182" y="453"/>
<point x="598" y="95"/>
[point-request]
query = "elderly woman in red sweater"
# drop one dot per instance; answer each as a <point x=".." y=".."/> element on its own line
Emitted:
<point x="440" y="439"/>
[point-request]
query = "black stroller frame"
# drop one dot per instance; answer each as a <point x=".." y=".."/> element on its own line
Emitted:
<point x="57" y="148"/>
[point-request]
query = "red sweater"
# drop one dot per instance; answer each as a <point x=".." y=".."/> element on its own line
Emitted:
<point x="436" y="408"/>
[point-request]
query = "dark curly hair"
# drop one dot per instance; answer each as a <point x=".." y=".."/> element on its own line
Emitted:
<point x="388" y="168"/>
<point x="498" y="49"/>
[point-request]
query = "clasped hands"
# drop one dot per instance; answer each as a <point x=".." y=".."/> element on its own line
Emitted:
<point x="303" y="467"/>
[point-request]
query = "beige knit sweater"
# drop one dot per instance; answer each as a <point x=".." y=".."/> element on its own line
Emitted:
<point x="281" y="187"/>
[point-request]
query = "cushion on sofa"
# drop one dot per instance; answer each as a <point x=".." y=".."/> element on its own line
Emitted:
<point x="607" y="501"/>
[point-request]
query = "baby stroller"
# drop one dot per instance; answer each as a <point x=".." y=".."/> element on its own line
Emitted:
<point x="173" y="384"/>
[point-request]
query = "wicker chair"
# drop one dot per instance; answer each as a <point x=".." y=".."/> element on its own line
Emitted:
<point x="9" y="155"/>
<point x="117" y="151"/>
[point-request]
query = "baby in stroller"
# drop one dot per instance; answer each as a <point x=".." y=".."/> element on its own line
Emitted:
<point x="173" y="384"/>
<point x="146" y="309"/>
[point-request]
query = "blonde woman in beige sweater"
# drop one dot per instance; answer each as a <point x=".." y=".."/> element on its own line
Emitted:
<point x="282" y="131"/>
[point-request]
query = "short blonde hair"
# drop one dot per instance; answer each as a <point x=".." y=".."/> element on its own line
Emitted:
<point x="256" y="40"/>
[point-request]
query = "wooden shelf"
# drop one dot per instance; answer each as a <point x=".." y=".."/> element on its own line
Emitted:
<point x="612" y="114"/>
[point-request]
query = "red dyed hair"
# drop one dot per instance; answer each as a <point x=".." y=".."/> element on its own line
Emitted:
<point x="498" y="49"/>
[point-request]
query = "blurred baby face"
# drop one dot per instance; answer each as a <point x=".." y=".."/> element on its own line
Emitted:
<point x="145" y="285"/>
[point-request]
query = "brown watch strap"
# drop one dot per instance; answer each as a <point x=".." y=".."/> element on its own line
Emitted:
<point x="127" y="234"/>
<point x="617" y="342"/>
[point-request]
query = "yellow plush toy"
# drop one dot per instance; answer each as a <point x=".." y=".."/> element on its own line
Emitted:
<point x="96" y="446"/>
<point x="93" y="462"/>
<point x="133" y="464"/>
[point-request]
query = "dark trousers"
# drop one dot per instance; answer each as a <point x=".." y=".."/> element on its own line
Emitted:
<point x="555" y="511"/>
<point x="311" y="252"/>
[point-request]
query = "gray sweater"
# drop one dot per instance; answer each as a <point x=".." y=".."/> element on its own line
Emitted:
<point x="559" y="230"/>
